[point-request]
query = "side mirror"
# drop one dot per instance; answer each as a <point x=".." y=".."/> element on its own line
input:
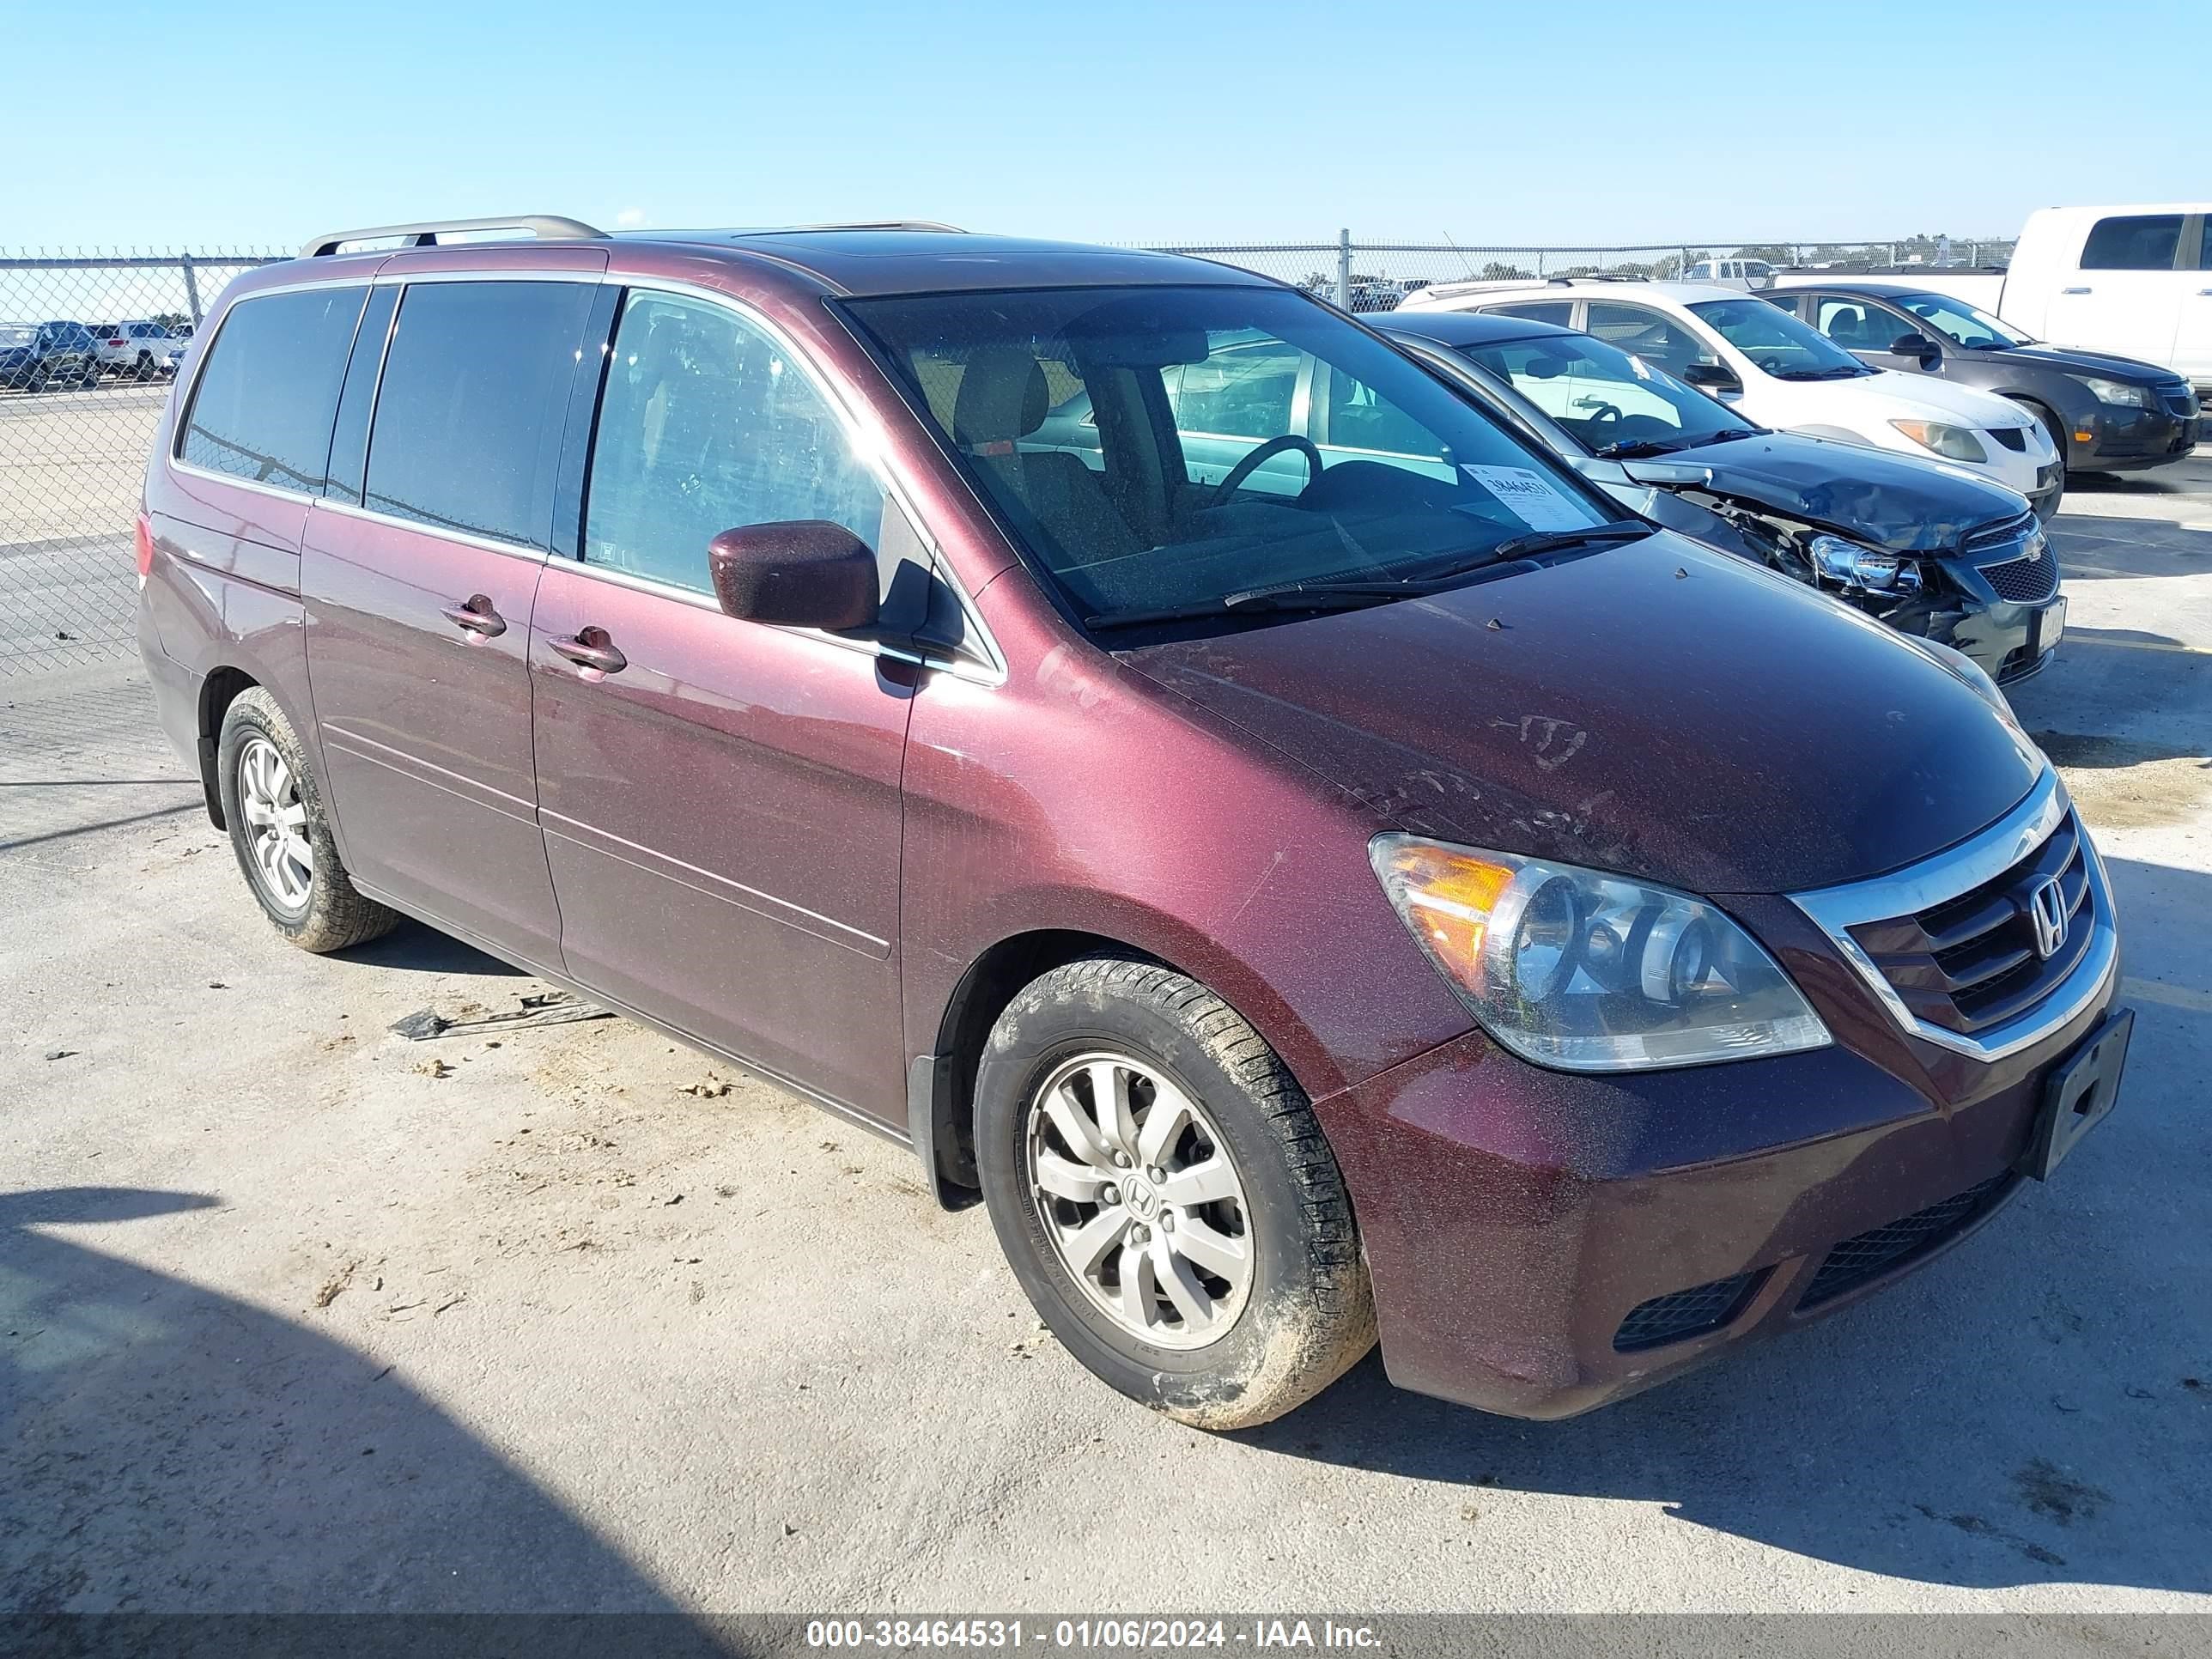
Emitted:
<point x="1712" y="377"/>
<point x="802" y="573"/>
<point x="1917" y="345"/>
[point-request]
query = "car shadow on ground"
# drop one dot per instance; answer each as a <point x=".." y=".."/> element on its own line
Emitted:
<point x="423" y="950"/>
<point x="2094" y="548"/>
<point x="2034" y="1408"/>
<point x="166" y="1447"/>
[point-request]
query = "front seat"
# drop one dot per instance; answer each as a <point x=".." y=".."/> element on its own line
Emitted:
<point x="1002" y="400"/>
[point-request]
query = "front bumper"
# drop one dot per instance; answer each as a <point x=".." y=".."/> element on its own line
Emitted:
<point x="1541" y="1243"/>
<point x="2129" y="440"/>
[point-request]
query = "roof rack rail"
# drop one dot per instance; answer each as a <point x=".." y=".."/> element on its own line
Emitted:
<point x="879" y="224"/>
<point x="546" y="227"/>
<point x="1596" y="276"/>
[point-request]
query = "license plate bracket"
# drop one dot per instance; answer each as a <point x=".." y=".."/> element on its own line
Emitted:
<point x="2079" y="1094"/>
<point x="2050" y="626"/>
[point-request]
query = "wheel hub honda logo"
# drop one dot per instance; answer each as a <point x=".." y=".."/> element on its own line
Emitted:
<point x="2047" y="908"/>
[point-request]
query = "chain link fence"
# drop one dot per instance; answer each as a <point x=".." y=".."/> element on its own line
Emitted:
<point x="89" y="343"/>
<point x="88" y="347"/>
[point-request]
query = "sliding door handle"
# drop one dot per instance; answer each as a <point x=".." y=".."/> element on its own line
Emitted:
<point x="476" y="616"/>
<point x="590" y="648"/>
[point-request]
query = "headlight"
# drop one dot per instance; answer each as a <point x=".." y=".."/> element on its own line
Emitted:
<point x="1842" y="561"/>
<point x="2114" y="393"/>
<point x="1589" y="972"/>
<point x="1953" y="443"/>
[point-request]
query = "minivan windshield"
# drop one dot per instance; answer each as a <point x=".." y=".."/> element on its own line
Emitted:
<point x="1165" y="453"/>
<point x="1615" y="405"/>
<point x="1778" y="343"/>
<point x="1966" y="326"/>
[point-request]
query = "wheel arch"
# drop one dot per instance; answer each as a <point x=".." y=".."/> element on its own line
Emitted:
<point x="941" y="1085"/>
<point x="222" y="687"/>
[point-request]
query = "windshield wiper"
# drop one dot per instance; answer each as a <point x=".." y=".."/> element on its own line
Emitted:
<point x="1840" y="372"/>
<point x="1556" y="541"/>
<point x="1637" y="449"/>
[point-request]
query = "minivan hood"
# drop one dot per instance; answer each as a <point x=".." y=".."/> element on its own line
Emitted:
<point x="1662" y="709"/>
<point x="1886" y="500"/>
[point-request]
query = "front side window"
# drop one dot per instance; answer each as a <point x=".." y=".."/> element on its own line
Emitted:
<point x="1616" y="405"/>
<point x="1159" y="523"/>
<point x="468" y="413"/>
<point x="1243" y="390"/>
<point x="1963" y="326"/>
<point x="707" y="424"/>
<point x="1663" y="342"/>
<point x="2139" y="242"/>
<point x="263" y="406"/>
<point x="1859" y="324"/>
<point x="1777" y="342"/>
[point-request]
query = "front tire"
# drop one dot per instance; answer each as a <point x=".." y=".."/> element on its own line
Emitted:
<point x="1165" y="1196"/>
<point x="281" y="835"/>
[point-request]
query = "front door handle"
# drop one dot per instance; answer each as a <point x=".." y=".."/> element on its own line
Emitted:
<point x="2074" y="290"/>
<point x="476" y="616"/>
<point x="590" y="648"/>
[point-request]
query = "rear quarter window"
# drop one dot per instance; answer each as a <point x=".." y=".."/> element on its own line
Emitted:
<point x="261" y="409"/>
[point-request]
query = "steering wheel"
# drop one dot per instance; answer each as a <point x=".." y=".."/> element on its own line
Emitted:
<point x="1771" y="365"/>
<point x="1244" y="469"/>
<point x="1602" y="414"/>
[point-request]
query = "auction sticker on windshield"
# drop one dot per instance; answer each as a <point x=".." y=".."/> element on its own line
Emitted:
<point x="1529" y="495"/>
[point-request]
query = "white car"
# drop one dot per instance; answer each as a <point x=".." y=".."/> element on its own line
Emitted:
<point x="142" y="348"/>
<point x="1782" y="372"/>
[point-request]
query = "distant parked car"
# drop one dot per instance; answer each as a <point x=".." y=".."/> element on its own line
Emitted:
<point x="1777" y="372"/>
<point x="1928" y="549"/>
<point x="143" y="351"/>
<point x="35" y="356"/>
<point x="2105" y="414"/>
<point x="1731" y="273"/>
<point x="2133" y="281"/>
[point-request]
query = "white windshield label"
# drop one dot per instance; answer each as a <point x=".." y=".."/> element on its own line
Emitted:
<point x="1530" y="496"/>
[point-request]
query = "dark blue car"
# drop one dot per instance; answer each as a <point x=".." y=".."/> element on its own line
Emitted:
<point x="1929" y="549"/>
<point x="35" y="356"/>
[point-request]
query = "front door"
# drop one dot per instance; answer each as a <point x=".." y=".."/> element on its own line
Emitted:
<point x="720" y="799"/>
<point x="418" y="598"/>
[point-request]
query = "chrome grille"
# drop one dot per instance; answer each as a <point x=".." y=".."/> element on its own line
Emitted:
<point x="2028" y="579"/>
<point x="1974" y="962"/>
<point x="2004" y="533"/>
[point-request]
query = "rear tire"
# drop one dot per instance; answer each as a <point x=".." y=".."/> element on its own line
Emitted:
<point x="281" y="835"/>
<point x="1227" y="1286"/>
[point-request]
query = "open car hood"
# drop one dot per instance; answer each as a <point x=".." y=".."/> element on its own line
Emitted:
<point x="1660" y="710"/>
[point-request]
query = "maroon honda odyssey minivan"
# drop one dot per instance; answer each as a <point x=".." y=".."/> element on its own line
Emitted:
<point x="1111" y="723"/>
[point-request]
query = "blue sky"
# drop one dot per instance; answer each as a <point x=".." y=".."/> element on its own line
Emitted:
<point x="1114" y="120"/>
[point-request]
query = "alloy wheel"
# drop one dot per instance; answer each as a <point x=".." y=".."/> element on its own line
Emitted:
<point x="1140" y="1200"/>
<point x="275" y="824"/>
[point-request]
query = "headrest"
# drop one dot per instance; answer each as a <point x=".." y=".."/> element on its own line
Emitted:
<point x="1002" y="397"/>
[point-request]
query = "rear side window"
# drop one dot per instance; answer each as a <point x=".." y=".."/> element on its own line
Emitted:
<point x="262" y="409"/>
<point x="707" y="424"/>
<point x="1558" y="312"/>
<point x="468" y="414"/>
<point x="2145" y="242"/>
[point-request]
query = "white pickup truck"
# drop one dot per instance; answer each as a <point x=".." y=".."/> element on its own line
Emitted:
<point x="2135" y="281"/>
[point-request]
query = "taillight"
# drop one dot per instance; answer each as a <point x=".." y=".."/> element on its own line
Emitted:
<point x="145" y="546"/>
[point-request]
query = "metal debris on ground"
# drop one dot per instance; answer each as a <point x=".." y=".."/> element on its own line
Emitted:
<point x="544" y="1008"/>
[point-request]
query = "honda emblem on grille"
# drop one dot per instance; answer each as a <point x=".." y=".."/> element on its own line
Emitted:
<point x="2047" y="908"/>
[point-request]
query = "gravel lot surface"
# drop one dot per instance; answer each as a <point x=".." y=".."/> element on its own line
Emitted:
<point x="296" y="1314"/>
